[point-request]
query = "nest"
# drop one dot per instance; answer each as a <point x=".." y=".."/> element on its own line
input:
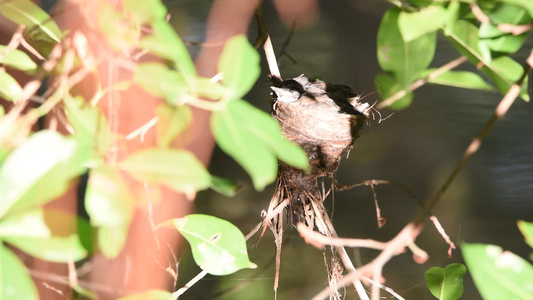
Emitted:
<point x="324" y="119"/>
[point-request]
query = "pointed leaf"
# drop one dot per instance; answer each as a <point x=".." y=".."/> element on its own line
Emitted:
<point x="54" y="249"/>
<point x="527" y="230"/>
<point x="218" y="247"/>
<point x="498" y="274"/>
<point x="158" y="80"/>
<point x="503" y="71"/>
<point x="461" y="79"/>
<point x="177" y="169"/>
<point x="111" y="239"/>
<point x="255" y="141"/>
<point x="405" y="60"/>
<point x="107" y="199"/>
<point x="24" y="12"/>
<point x="25" y="224"/>
<point x="16" y="282"/>
<point x="446" y="283"/>
<point x="17" y="59"/>
<point x="165" y="43"/>
<point x="224" y="186"/>
<point x="416" y="24"/>
<point x="239" y="64"/>
<point x="10" y="89"/>
<point x="172" y="121"/>
<point x="39" y="170"/>
<point x="145" y="11"/>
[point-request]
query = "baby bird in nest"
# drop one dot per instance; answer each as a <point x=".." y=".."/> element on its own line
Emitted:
<point x="324" y="119"/>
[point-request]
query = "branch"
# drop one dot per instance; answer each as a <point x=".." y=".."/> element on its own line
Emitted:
<point x="420" y="82"/>
<point x="318" y="240"/>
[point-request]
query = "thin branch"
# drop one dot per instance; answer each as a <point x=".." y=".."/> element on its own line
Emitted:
<point x="13" y="44"/>
<point x="420" y="82"/>
<point x="499" y="112"/>
<point x="515" y="29"/>
<point x="319" y="240"/>
<point x="189" y="284"/>
<point x="264" y="39"/>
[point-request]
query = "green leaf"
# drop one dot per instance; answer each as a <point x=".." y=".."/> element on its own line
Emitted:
<point x="16" y="282"/>
<point x="151" y="294"/>
<point x="89" y="123"/>
<point x="527" y="230"/>
<point x="404" y="60"/>
<point x="10" y="89"/>
<point x="503" y="71"/>
<point x="446" y="283"/>
<point x="497" y="41"/>
<point x="239" y="64"/>
<point x="120" y="33"/>
<point x="39" y="170"/>
<point x="172" y="122"/>
<point x="255" y="141"/>
<point x="25" y="224"/>
<point x="209" y="89"/>
<point x="504" y="13"/>
<point x="218" y="247"/>
<point x="158" y="80"/>
<point x="224" y="186"/>
<point x="145" y="11"/>
<point x="176" y="169"/>
<point x="413" y="25"/>
<point x="461" y="79"/>
<point x="111" y="239"/>
<point x="527" y="5"/>
<point x="17" y="59"/>
<point x="387" y="87"/>
<point x="107" y="198"/>
<point x="498" y="274"/>
<point x="54" y="249"/>
<point x="165" y="43"/>
<point x="24" y="12"/>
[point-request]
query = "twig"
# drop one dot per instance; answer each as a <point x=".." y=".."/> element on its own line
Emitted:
<point x="318" y="240"/>
<point x="264" y="39"/>
<point x="192" y="282"/>
<point x="440" y="229"/>
<point x="515" y="29"/>
<point x="499" y="112"/>
<point x="380" y="219"/>
<point x="479" y="14"/>
<point x="14" y="42"/>
<point x="420" y="82"/>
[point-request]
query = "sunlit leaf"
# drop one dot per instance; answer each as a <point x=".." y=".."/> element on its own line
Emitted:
<point x="10" y="89"/>
<point x="527" y="230"/>
<point x="151" y="294"/>
<point x="32" y="16"/>
<point x="145" y="11"/>
<point x="158" y="80"/>
<point x="218" y="247"/>
<point x="255" y="141"/>
<point x="165" y="43"/>
<point x="209" y="89"/>
<point x="55" y="249"/>
<point x="446" y="283"/>
<point x="461" y="79"/>
<point x="498" y="274"/>
<point x="404" y="60"/>
<point x="25" y="224"/>
<point x="39" y="170"/>
<point x="107" y="199"/>
<point x="177" y="169"/>
<point x="120" y="35"/>
<point x="503" y="71"/>
<point x="224" y="186"/>
<point x="172" y="121"/>
<point x="17" y="59"/>
<point x="16" y="281"/>
<point x="413" y="25"/>
<point x="111" y="239"/>
<point x="239" y="64"/>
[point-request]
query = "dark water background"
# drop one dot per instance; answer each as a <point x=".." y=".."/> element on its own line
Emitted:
<point x="416" y="147"/>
